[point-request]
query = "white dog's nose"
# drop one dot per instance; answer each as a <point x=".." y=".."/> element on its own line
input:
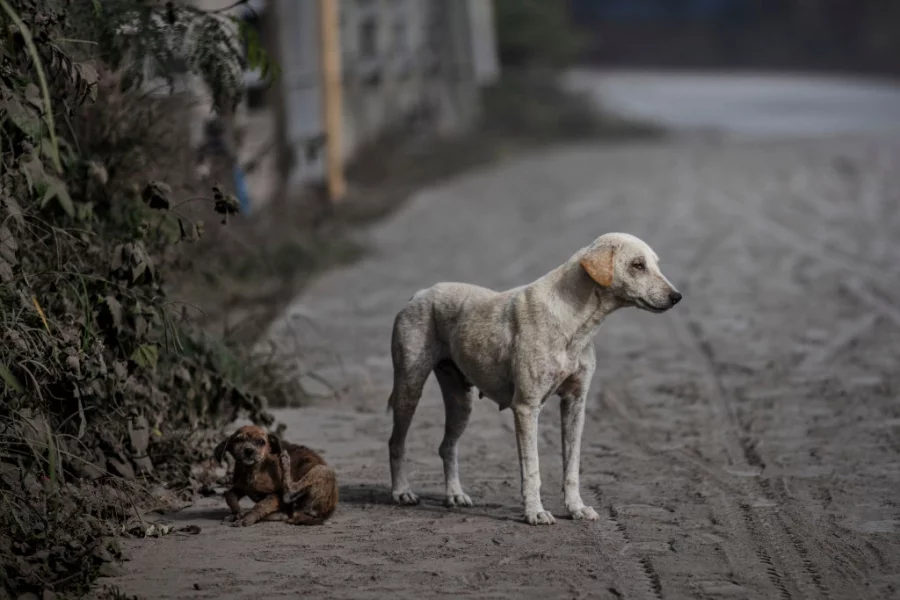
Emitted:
<point x="674" y="298"/>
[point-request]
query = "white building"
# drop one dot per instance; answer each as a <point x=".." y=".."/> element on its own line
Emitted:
<point x="415" y="64"/>
<point x="406" y="63"/>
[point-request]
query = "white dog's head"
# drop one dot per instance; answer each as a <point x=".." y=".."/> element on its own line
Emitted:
<point x="629" y="269"/>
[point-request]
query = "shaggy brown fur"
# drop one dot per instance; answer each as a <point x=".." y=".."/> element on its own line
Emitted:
<point x="287" y="482"/>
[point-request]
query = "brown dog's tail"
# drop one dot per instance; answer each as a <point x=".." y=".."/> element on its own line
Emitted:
<point x="315" y="496"/>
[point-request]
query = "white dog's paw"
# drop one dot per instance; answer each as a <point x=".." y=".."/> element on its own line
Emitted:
<point x="540" y="517"/>
<point x="459" y="499"/>
<point x="585" y="513"/>
<point x="407" y="498"/>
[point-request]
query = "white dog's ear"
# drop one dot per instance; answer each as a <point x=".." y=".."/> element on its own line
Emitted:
<point x="598" y="263"/>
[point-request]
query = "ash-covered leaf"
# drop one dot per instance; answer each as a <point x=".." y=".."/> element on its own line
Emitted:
<point x="117" y="258"/>
<point x="7" y="376"/>
<point x="23" y="116"/>
<point x="132" y="262"/>
<point x="13" y="209"/>
<point x="56" y="189"/>
<point x="46" y="185"/>
<point x="8" y="246"/>
<point x="89" y="81"/>
<point x="6" y="272"/>
<point x="74" y="366"/>
<point x="33" y="170"/>
<point x="190" y="232"/>
<point x="32" y="95"/>
<point x="225" y="204"/>
<point x="113" y="309"/>
<point x="156" y="195"/>
<point x="181" y="375"/>
<point x="98" y="173"/>
<point x="146" y="356"/>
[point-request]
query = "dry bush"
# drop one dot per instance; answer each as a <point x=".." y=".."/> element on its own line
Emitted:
<point x="110" y="395"/>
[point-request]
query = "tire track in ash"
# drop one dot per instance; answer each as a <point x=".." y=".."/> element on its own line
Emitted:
<point x="754" y="565"/>
<point x="637" y="577"/>
<point x="857" y="268"/>
<point x="777" y="545"/>
<point x="866" y="284"/>
<point x="784" y="523"/>
<point x="797" y="560"/>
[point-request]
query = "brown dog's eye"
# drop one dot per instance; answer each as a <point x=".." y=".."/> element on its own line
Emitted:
<point x="259" y="442"/>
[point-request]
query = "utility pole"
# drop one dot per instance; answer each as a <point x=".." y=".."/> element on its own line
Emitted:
<point x="276" y="96"/>
<point x="332" y="101"/>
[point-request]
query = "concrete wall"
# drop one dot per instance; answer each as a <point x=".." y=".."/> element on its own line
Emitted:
<point x="406" y="63"/>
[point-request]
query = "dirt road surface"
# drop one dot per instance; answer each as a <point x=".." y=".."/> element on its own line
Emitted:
<point x="744" y="445"/>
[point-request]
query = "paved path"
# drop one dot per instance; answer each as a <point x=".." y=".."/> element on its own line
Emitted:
<point x="749" y="106"/>
<point x="744" y="445"/>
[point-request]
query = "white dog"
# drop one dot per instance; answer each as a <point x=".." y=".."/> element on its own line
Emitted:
<point x="518" y="347"/>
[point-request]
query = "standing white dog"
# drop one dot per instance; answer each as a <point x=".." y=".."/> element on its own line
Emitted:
<point x="519" y="348"/>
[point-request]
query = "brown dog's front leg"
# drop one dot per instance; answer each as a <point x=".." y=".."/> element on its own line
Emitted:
<point x="233" y="500"/>
<point x="290" y="489"/>
<point x="269" y="505"/>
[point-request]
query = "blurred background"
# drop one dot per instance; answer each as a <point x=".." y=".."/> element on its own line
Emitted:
<point x="214" y="209"/>
<point x="410" y="68"/>
<point x="835" y="35"/>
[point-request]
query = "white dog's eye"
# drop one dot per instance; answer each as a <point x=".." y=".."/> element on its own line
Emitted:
<point x="638" y="264"/>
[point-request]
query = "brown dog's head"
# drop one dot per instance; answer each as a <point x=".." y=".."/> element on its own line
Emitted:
<point x="248" y="445"/>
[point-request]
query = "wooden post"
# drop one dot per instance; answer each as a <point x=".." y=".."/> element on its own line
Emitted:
<point x="276" y="96"/>
<point x="332" y="101"/>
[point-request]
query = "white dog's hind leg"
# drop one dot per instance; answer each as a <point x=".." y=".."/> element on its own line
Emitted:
<point x="572" y="415"/>
<point x="412" y="354"/>
<point x="457" y="408"/>
<point x="405" y="398"/>
<point x="526" y="417"/>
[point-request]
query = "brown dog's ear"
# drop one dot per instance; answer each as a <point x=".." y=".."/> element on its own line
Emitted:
<point x="223" y="447"/>
<point x="598" y="264"/>
<point x="274" y="444"/>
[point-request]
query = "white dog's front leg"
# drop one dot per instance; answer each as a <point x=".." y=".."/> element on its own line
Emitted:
<point x="572" y="413"/>
<point x="526" y="417"/>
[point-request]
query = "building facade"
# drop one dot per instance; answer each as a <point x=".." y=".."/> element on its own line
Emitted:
<point x="413" y="65"/>
<point x="405" y="63"/>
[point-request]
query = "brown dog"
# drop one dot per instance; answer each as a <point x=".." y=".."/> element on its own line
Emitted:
<point x="286" y="481"/>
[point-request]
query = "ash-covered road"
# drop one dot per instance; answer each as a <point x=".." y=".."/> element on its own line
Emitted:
<point x="744" y="445"/>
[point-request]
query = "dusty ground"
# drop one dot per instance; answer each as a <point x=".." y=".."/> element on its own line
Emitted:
<point x="746" y="444"/>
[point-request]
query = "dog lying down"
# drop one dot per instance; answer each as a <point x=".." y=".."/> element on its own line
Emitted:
<point x="519" y="348"/>
<point x="286" y="481"/>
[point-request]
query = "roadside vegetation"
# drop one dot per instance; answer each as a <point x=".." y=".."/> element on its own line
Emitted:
<point x="109" y="395"/>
